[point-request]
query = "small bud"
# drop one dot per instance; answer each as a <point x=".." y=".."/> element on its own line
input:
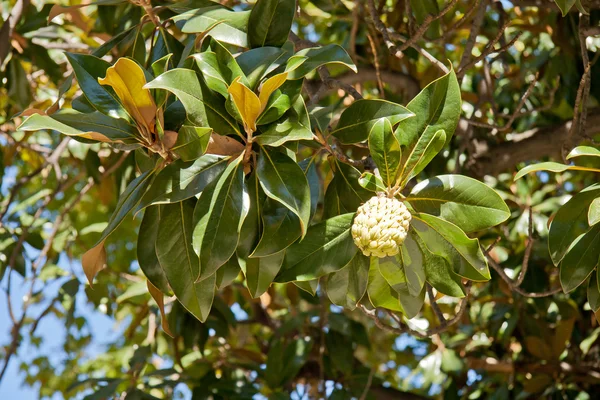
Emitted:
<point x="380" y="226"/>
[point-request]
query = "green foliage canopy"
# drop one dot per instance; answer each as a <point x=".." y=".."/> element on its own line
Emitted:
<point x="213" y="155"/>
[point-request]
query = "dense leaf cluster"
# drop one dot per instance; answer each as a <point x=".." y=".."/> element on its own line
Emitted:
<point x="204" y="161"/>
<point x="224" y="216"/>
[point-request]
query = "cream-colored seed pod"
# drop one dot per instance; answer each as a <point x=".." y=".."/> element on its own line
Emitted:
<point x="380" y="226"/>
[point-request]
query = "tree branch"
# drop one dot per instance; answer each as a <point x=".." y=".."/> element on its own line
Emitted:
<point x="475" y="28"/>
<point x="534" y="144"/>
<point x="515" y="285"/>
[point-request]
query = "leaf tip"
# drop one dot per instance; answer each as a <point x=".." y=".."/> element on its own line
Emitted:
<point x="93" y="261"/>
<point x="158" y="296"/>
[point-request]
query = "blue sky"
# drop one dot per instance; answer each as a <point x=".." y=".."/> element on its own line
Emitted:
<point x="52" y="331"/>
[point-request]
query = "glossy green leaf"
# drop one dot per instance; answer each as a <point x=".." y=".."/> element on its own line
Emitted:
<point x="321" y="117"/>
<point x="466" y="202"/>
<point x="309" y="166"/>
<point x="219" y="68"/>
<point x="427" y="147"/>
<point x="405" y="272"/>
<point x="280" y="226"/>
<point x="570" y="222"/>
<point x="218" y="218"/>
<point x="438" y="271"/>
<point x="292" y="127"/>
<point x="138" y="49"/>
<point x="92" y="126"/>
<point x="326" y="248"/>
<point x="286" y="97"/>
<point x="307" y="60"/>
<point x="580" y="260"/>
<point x="583" y="151"/>
<point x="258" y="63"/>
<point x="565" y="6"/>
<point x="270" y="22"/>
<point x="146" y="250"/>
<point x="181" y="180"/>
<point x="545" y="166"/>
<point x="113" y="42"/>
<point x="166" y="44"/>
<point x="203" y="107"/>
<point x="261" y="271"/>
<point x="371" y="182"/>
<point x="445" y="239"/>
<point x="283" y="180"/>
<point x="398" y="274"/>
<point x="249" y="234"/>
<point x="581" y="8"/>
<point x="437" y="107"/>
<point x="127" y="202"/>
<point x="211" y="71"/>
<point x="192" y="142"/>
<point x="594" y="212"/>
<point x="178" y="260"/>
<point x="82" y="104"/>
<point x="227" y="273"/>
<point x="184" y="6"/>
<point x="347" y="286"/>
<point x="552" y="167"/>
<point x="277" y="106"/>
<point x="224" y="25"/>
<point x="333" y="201"/>
<point x="284" y="361"/>
<point x="593" y="291"/>
<point x="159" y="67"/>
<point x="385" y="150"/>
<point x="424" y="8"/>
<point x="309" y="287"/>
<point x="88" y="69"/>
<point x="381" y="294"/>
<point x="344" y="193"/>
<point x="411" y="305"/>
<point x="358" y="119"/>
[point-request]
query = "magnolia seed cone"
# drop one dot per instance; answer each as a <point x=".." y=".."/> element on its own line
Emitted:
<point x="380" y="226"/>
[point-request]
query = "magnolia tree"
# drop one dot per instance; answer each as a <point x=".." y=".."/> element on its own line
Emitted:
<point x="311" y="193"/>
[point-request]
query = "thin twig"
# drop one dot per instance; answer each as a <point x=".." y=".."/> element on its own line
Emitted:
<point x="549" y="104"/>
<point x="458" y="24"/>
<point x="391" y="45"/>
<point x="584" y="22"/>
<point x="512" y="284"/>
<point x="489" y="49"/>
<point x="514" y="115"/>
<point x="420" y="31"/>
<point x="403" y="328"/>
<point x="322" y="323"/>
<point x="528" y="249"/>
<point x="42" y="256"/>
<point x="354" y="30"/>
<point x="327" y="80"/>
<point x="434" y="305"/>
<point x="376" y="63"/>
<point x="365" y="392"/>
<point x="50" y="161"/>
<point x="583" y="91"/>
<point x="475" y="28"/>
<point x="334" y="150"/>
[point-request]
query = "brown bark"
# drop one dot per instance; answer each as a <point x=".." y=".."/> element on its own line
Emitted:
<point x="532" y="145"/>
